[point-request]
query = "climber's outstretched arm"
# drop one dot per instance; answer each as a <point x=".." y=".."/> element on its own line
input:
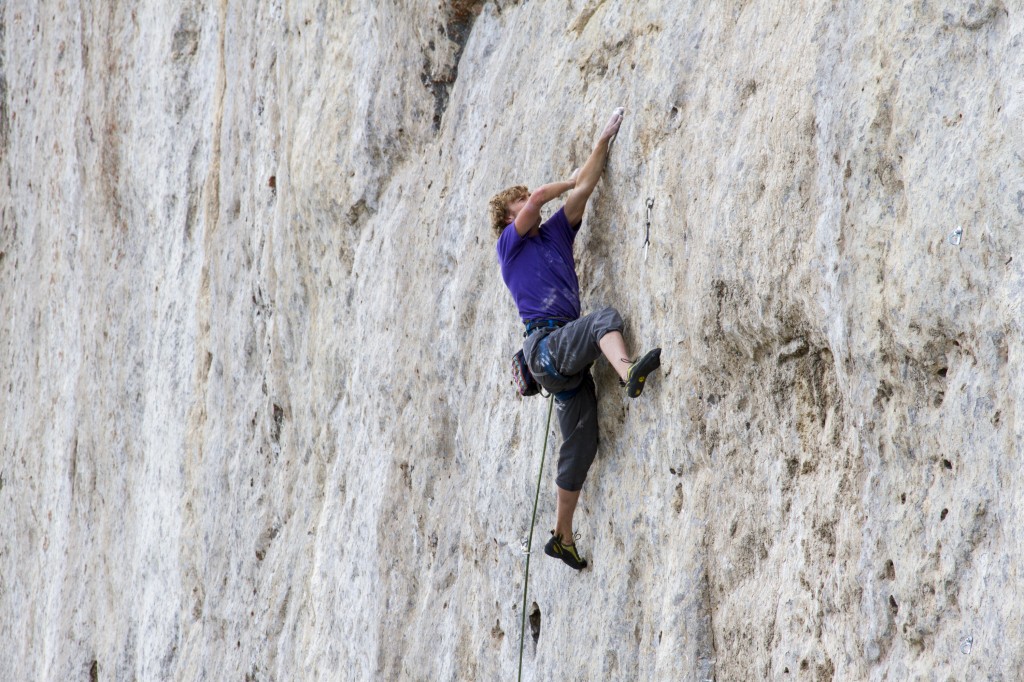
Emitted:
<point x="591" y="172"/>
<point x="528" y="217"/>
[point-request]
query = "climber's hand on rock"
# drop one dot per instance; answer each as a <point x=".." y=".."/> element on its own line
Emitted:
<point x="586" y="179"/>
<point x="573" y="176"/>
<point x="614" y="122"/>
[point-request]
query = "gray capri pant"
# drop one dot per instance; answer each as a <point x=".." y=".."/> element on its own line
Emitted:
<point x="570" y="350"/>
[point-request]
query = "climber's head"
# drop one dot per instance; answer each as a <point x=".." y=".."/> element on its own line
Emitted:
<point x="505" y="205"/>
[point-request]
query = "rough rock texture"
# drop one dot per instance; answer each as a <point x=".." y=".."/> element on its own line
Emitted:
<point x="255" y="415"/>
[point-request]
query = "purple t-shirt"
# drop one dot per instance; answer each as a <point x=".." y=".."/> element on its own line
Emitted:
<point x="540" y="271"/>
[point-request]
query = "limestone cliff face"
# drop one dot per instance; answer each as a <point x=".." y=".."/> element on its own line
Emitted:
<point x="255" y="415"/>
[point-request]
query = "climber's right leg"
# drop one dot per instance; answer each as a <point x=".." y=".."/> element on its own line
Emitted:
<point x="577" y="345"/>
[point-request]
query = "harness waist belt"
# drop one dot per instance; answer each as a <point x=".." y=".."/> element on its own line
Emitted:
<point x="534" y="325"/>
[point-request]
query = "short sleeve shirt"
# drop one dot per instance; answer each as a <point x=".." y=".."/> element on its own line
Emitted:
<point x="540" y="271"/>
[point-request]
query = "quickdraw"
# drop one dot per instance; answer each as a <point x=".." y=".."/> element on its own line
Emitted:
<point x="647" y="237"/>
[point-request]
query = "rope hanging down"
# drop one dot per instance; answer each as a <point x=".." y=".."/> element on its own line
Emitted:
<point x="529" y="541"/>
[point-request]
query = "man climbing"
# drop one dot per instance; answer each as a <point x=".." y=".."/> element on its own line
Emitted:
<point x="539" y="270"/>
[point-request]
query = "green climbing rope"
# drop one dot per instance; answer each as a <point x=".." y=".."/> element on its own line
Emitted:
<point x="529" y="541"/>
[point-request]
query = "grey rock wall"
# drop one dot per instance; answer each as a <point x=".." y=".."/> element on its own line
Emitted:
<point x="256" y="421"/>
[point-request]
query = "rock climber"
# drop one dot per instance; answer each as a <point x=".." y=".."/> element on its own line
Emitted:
<point x="538" y="268"/>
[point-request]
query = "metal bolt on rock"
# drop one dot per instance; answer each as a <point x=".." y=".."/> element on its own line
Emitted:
<point x="956" y="235"/>
<point x="966" y="643"/>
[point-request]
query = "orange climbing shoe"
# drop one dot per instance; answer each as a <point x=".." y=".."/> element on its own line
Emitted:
<point x="636" y="377"/>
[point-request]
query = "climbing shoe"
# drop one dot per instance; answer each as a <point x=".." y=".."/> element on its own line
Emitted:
<point x="566" y="553"/>
<point x="636" y="377"/>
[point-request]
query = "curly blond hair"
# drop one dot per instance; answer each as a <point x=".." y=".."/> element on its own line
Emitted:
<point x="498" y="206"/>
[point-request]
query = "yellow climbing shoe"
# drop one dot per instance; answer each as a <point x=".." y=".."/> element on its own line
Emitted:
<point x="636" y="377"/>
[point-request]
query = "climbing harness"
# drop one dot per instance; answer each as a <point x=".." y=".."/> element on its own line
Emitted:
<point x="647" y="238"/>
<point x="534" y="325"/>
<point x="522" y="377"/>
<point x="529" y="541"/>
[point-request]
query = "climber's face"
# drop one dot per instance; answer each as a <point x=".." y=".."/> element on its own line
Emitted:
<point x="514" y="208"/>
